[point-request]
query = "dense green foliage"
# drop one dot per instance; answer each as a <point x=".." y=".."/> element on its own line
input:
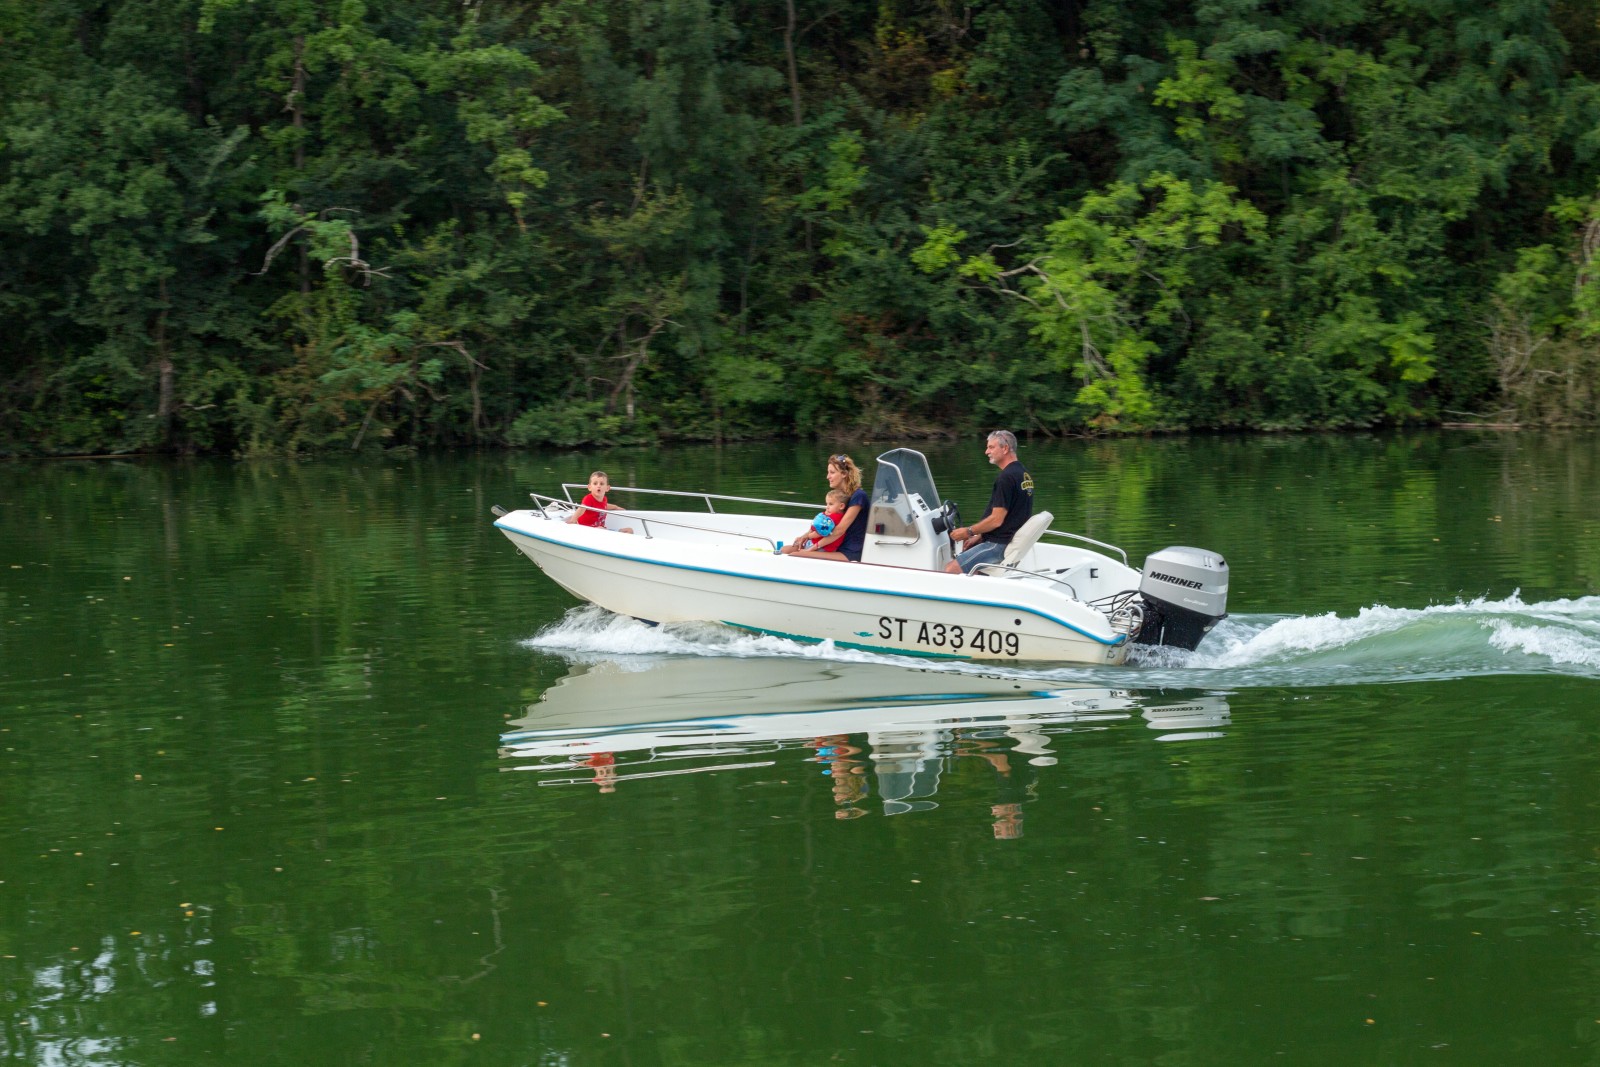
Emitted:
<point x="269" y="225"/>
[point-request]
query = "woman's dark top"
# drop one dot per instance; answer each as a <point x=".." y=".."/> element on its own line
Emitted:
<point x="855" y="538"/>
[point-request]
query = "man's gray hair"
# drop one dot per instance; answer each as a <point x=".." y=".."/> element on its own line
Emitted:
<point x="1006" y="438"/>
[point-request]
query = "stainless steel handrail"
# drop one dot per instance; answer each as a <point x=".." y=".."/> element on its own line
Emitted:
<point x="645" y="522"/>
<point x="1007" y="570"/>
<point x="1092" y="541"/>
<point x="567" y="487"/>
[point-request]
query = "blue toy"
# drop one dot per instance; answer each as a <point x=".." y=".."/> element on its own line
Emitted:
<point x="822" y="524"/>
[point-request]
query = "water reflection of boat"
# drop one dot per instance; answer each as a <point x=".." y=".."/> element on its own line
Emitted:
<point x="635" y="717"/>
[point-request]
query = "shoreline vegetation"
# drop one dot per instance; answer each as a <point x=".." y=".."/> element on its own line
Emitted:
<point x="259" y="227"/>
<point x="869" y="440"/>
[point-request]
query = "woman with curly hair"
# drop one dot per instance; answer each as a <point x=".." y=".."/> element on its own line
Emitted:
<point x="843" y="474"/>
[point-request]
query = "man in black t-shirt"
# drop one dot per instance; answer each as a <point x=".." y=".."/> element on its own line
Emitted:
<point x="1010" y="505"/>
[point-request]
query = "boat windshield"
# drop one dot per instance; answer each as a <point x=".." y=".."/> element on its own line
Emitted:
<point x="909" y="470"/>
<point x="901" y="472"/>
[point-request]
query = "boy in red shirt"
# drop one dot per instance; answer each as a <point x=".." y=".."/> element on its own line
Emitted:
<point x="594" y="507"/>
<point x="823" y="539"/>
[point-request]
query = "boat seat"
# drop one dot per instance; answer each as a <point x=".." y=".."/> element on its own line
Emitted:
<point x="1022" y="541"/>
<point x="1026" y="537"/>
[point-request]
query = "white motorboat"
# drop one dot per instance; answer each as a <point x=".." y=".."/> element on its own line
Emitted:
<point x="1057" y="597"/>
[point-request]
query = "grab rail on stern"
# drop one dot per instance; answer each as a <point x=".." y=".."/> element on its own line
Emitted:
<point x="1091" y="541"/>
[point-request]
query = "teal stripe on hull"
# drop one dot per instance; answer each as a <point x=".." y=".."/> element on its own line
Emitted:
<point x="882" y="650"/>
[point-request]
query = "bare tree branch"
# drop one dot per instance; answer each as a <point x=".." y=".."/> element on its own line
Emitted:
<point x="272" y="253"/>
<point x="361" y="266"/>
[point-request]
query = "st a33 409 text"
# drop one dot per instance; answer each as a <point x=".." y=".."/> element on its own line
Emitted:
<point x="954" y="638"/>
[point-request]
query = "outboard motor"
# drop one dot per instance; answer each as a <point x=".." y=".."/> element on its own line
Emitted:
<point x="1185" y="593"/>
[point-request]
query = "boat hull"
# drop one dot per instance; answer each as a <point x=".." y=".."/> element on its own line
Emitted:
<point x="875" y="608"/>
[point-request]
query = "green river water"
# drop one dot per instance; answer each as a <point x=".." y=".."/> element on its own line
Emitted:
<point x="302" y="763"/>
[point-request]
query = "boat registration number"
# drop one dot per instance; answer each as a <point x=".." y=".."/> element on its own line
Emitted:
<point x="955" y="638"/>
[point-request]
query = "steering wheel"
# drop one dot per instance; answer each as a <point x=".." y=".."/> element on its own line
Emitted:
<point x="951" y="514"/>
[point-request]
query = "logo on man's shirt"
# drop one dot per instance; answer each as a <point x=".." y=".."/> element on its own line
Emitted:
<point x="1027" y="483"/>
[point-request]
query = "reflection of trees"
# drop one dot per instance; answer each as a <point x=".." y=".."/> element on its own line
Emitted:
<point x="235" y="696"/>
<point x="326" y="682"/>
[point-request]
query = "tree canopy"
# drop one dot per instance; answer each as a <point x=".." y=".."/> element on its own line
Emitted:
<point x="259" y="226"/>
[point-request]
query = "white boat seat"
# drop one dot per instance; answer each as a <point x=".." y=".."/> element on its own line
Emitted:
<point x="1022" y="541"/>
<point x="1026" y="537"/>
